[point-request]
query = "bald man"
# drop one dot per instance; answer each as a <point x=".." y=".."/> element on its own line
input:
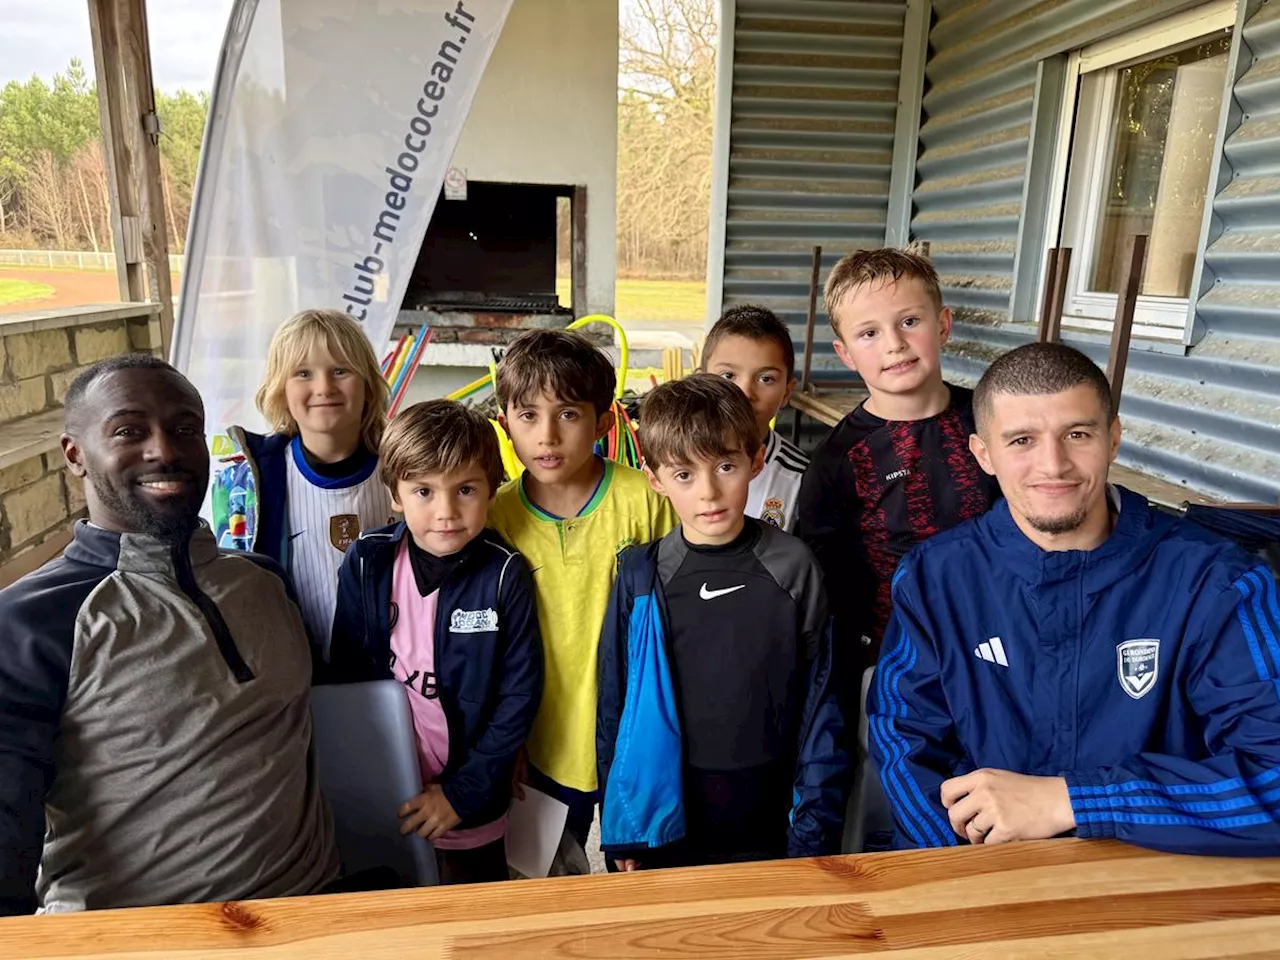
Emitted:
<point x="154" y="693"/>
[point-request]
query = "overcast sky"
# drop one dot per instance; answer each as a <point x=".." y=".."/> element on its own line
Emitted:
<point x="41" y="37"/>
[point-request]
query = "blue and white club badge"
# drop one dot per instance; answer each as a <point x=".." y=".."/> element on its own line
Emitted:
<point x="1138" y="665"/>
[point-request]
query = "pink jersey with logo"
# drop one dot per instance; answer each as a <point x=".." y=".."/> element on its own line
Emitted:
<point x="413" y="661"/>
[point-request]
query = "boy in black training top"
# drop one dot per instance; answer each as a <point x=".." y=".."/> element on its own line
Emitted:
<point x="716" y="649"/>
<point x="897" y="469"/>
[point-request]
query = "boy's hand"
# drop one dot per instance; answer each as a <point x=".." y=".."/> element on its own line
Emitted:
<point x="996" y="806"/>
<point x="429" y="814"/>
<point x="626" y="866"/>
<point x="520" y="775"/>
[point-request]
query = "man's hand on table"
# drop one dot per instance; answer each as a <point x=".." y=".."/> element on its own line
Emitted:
<point x="996" y="806"/>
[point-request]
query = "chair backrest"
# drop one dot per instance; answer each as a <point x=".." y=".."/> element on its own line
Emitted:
<point x="868" y="816"/>
<point x="368" y="757"/>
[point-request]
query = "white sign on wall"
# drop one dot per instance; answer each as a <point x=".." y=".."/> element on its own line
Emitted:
<point x="455" y="184"/>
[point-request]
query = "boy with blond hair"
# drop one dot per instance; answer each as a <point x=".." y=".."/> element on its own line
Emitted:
<point x="447" y="608"/>
<point x="897" y="469"/>
<point x="751" y="348"/>
<point x="569" y="514"/>
<point x="719" y="736"/>
<point x="303" y="493"/>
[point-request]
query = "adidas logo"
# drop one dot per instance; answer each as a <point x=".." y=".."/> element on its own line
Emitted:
<point x="992" y="651"/>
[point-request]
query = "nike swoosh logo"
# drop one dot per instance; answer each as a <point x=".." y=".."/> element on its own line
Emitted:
<point x="706" y="594"/>
<point x="295" y="536"/>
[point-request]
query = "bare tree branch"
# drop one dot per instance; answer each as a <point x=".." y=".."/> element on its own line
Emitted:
<point x="666" y="92"/>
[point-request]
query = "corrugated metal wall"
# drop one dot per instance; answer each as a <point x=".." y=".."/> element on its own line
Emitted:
<point x="1211" y="419"/>
<point x="815" y="85"/>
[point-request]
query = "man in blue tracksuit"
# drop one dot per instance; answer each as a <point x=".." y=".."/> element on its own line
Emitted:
<point x="1075" y="661"/>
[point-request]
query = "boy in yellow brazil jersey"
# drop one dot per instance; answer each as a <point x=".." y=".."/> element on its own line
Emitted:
<point x="569" y="514"/>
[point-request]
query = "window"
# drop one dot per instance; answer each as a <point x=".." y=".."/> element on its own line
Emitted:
<point x="1143" y="140"/>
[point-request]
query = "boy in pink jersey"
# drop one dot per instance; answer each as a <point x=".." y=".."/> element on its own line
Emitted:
<point x="447" y="608"/>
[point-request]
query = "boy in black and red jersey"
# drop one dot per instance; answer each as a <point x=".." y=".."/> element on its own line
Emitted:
<point x="897" y="469"/>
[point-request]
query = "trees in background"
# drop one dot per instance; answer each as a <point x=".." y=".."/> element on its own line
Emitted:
<point x="666" y="102"/>
<point x="53" y="178"/>
<point x="53" y="182"/>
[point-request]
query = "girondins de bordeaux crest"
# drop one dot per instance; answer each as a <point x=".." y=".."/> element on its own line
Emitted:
<point x="1138" y="665"/>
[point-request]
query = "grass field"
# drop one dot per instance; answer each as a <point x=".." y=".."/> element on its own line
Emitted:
<point x="13" y="292"/>
<point x="658" y="300"/>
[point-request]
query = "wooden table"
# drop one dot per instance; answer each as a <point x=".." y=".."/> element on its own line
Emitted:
<point x="1060" y="898"/>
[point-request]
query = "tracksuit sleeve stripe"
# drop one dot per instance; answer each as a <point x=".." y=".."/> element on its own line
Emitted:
<point x="896" y="775"/>
<point x="1180" y="789"/>
<point x="1258" y="588"/>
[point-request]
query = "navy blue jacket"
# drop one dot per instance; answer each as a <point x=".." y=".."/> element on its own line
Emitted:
<point x="264" y="473"/>
<point x="638" y="732"/>
<point x="490" y="681"/>
<point x="1146" y="672"/>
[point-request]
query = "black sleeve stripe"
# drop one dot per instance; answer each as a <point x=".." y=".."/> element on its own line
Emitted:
<point x="793" y="466"/>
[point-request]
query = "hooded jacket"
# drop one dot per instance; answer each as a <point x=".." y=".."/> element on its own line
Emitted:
<point x="1146" y="672"/>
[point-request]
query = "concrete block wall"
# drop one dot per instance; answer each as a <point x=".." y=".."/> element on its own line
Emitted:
<point x="39" y="357"/>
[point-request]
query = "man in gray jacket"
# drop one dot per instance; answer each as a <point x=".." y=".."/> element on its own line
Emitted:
<point x="155" y="726"/>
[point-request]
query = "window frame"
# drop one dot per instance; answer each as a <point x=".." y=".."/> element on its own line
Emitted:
<point x="1083" y="135"/>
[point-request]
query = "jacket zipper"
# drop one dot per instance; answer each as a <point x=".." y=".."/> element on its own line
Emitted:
<point x="212" y="615"/>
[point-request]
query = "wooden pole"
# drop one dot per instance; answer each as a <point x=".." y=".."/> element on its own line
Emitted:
<point x="130" y="140"/>
<point x="1122" y="328"/>
<point x="810" y="319"/>
<point x="1055" y="294"/>
<point x="578" y="252"/>
<point x="115" y="147"/>
<point x="1046" y="308"/>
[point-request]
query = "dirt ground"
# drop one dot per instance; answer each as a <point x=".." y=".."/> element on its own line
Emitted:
<point x="72" y="288"/>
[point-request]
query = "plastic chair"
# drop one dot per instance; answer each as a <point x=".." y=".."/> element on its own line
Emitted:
<point x="368" y="759"/>
<point x="868" y="814"/>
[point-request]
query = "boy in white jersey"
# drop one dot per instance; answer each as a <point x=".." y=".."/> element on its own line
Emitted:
<point x="312" y="486"/>
<point x="750" y="347"/>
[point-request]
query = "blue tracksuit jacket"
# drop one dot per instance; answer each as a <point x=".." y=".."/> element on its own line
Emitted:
<point x="639" y="744"/>
<point x="1145" y="672"/>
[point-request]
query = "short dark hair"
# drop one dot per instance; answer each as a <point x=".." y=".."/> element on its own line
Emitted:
<point x="562" y="363"/>
<point x="1036" y="369"/>
<point x="438" y="436"/>
<point x="755" y="323"/>
<point x="73" y="402"/>
<point x="883" y="266"/>
<point x="701" y="416"/>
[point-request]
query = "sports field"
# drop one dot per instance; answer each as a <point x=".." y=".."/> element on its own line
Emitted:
<point x="21" y="292"/>
<point x="638" y="301"/>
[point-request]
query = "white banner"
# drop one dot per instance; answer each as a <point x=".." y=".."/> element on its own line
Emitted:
<point x="331" y="126"/>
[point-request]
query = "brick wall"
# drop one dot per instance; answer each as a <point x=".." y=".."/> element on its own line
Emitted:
<point x="39" y="500"/>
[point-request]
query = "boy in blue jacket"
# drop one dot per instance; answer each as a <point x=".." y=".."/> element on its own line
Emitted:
<point x="1076" y="661"/>
<point x="446" y="607"/>
<point x="718" y="734"/>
